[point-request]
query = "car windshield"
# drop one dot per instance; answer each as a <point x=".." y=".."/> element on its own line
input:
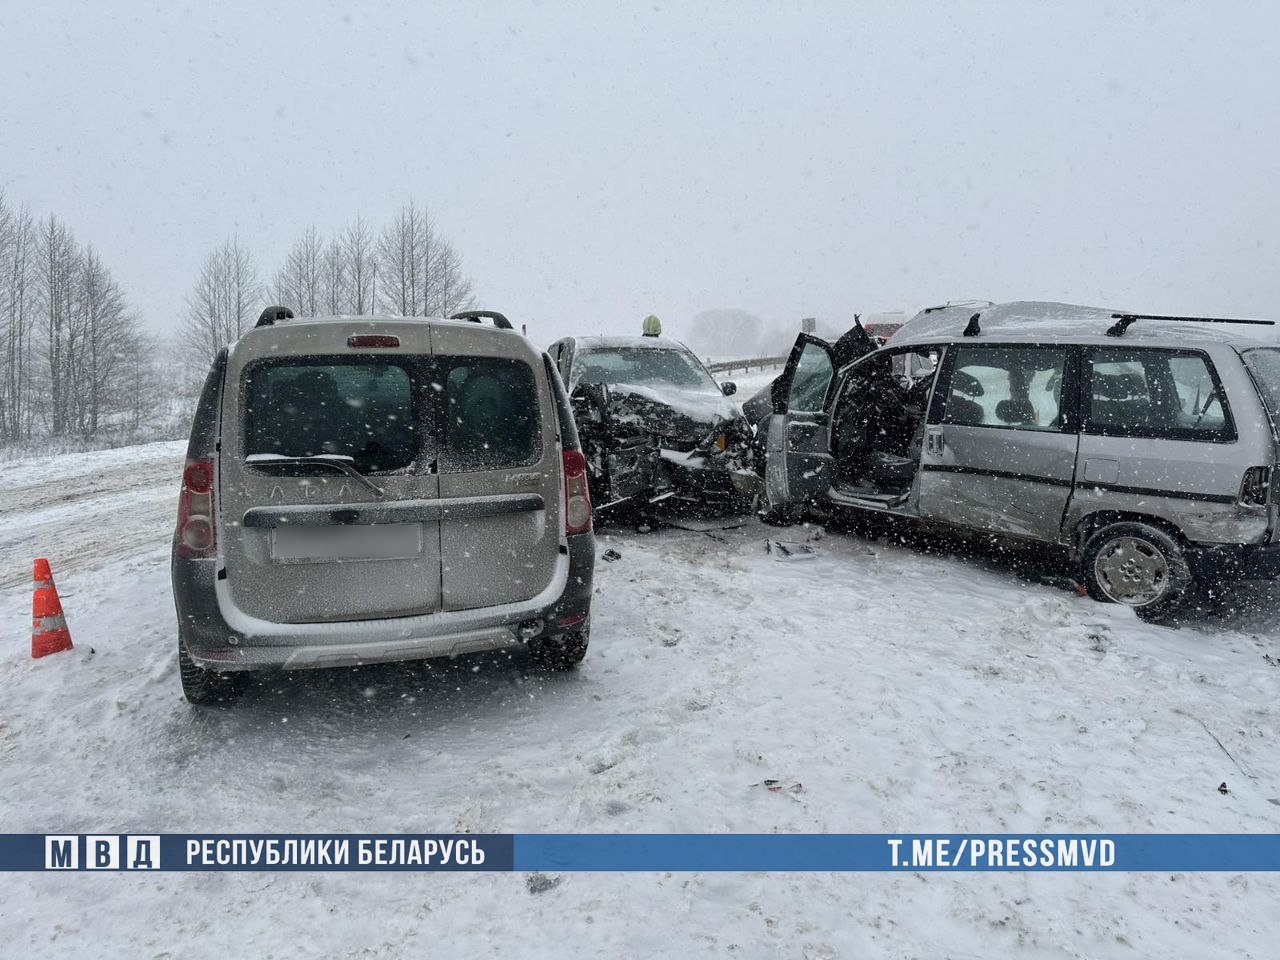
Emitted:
<point x="1264" y="364"/>
<point x="641" y="365"/>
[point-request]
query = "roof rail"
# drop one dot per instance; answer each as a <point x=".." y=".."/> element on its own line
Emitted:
<point x="959" y="303"/>
<point x="1125" y="320"/>
<point x="475" y="316"/>
<point x="270" y="315"/>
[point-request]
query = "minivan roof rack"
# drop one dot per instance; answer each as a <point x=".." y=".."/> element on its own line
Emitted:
<point x="269" y="316"/>
<point x="959" y="303"/>
<point x="1124" y="320"/>
<point x="475" y="316"/>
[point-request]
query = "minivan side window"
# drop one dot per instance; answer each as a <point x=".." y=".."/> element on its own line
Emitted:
<point x="490" y="414"/>
<point x="1157" y="394"/>
<point x="1010" y="388"/>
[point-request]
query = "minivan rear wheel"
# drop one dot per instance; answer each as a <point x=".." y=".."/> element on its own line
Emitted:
<point x="203" y="686"/>
<point x="1138" y="565"/>
<point x="563" y="651"/>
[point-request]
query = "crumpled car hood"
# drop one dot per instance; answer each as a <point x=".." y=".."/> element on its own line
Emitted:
<point x="671" y="411"/>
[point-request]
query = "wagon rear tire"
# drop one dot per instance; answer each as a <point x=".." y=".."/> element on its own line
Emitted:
<point x="563" y="651"/>
<point x="201" y="686"/>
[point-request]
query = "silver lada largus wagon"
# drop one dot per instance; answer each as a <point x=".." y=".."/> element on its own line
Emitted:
<point x="366" y="489"/>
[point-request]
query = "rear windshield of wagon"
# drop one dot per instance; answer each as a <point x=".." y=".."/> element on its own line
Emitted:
<point x="394" y="414"/>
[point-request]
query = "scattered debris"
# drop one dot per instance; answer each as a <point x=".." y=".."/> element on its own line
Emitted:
<point x="610" y="555"/>
<point x="1222" y="788"/>
<point x="704" y="526"/>
<point x="1060" y="582"/>
<point x="1271" y="660"/>
<point x="541" y="882"/>
<point x="789" y="550"/>
<point x="1220" y="744"/>
<point x="781" y="786"/>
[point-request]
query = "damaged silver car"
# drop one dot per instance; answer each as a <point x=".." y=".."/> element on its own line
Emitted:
<point x="1145" y="446"/>
<point x="659" y="433"/>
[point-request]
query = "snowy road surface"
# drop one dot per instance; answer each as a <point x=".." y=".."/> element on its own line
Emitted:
<point x="904" y="692"/>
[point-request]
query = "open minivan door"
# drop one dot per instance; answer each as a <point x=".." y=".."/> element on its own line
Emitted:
<point x="798" y="461"/>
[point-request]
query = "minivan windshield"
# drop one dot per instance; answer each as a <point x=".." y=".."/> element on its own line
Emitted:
<point x="641" y="365"/>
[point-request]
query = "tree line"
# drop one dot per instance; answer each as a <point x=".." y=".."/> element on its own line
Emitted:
<point x="75" y="361"/>
<point x="72" y="357"/>
<point x="408" y="268"/>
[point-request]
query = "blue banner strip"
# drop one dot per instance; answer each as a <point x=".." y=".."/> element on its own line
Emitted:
<point x="896" y="852"/>
<point x="685" y="852"/>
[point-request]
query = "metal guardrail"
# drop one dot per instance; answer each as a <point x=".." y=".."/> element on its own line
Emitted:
<point x="728" y="366"/>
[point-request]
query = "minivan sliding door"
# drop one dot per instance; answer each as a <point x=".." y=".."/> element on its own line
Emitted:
<point x="1000" y="446"/>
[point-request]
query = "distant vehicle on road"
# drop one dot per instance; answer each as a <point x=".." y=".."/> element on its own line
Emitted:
<point x="1145" y="446"/>
<point x="657" y="430"/>
<point x="370" y="489"/>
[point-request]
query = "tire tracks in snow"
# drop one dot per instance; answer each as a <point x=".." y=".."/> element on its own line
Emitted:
<point x="88" y="519"/>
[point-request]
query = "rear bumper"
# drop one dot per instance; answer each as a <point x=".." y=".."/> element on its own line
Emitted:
<point x="218" y="637"/>
<point x="1250" y="561"/>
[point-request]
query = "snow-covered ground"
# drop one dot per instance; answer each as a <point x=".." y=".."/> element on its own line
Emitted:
<point x="904" y="692"/>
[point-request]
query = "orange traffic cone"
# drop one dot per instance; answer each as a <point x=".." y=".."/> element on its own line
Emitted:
<point x="49" y="633"/>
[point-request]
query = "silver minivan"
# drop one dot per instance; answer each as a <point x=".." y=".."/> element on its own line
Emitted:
<point x="365" y="489"/>
<point x="1144" y="445"/>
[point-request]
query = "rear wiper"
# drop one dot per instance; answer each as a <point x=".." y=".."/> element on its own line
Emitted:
<point x="335" y="461"/>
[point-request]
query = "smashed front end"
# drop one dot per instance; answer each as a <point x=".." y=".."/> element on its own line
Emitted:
<point x="683" y="454"/>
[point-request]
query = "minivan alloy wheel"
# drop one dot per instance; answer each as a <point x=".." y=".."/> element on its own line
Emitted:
<point x="1131" y="571"/>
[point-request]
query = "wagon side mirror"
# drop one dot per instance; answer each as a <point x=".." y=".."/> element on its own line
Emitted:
<point x="728" y="388"/>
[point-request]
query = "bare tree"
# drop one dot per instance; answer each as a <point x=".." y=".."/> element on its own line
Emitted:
<point x="399" y="262"/>
<point x="17" y="263"/>
<point x="361" y="264"/>
<point x="109" y="334"/>
<point x="448" y="290"/>
<point x="334" y="279"/>
<point x="419" y="272"/>
<point x="222" y="305"/>
<point x="59" y="263"/>
<point x="299" y="284"/>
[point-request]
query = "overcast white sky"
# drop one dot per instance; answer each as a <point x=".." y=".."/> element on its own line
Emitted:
<point x="595" y="163"/>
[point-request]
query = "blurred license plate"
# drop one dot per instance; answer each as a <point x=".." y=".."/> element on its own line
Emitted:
<point x="369" y="541"/>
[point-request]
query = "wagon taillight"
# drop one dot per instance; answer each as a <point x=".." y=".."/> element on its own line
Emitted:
<point x="196" y="537"/>
<point x="577" y="497"/>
